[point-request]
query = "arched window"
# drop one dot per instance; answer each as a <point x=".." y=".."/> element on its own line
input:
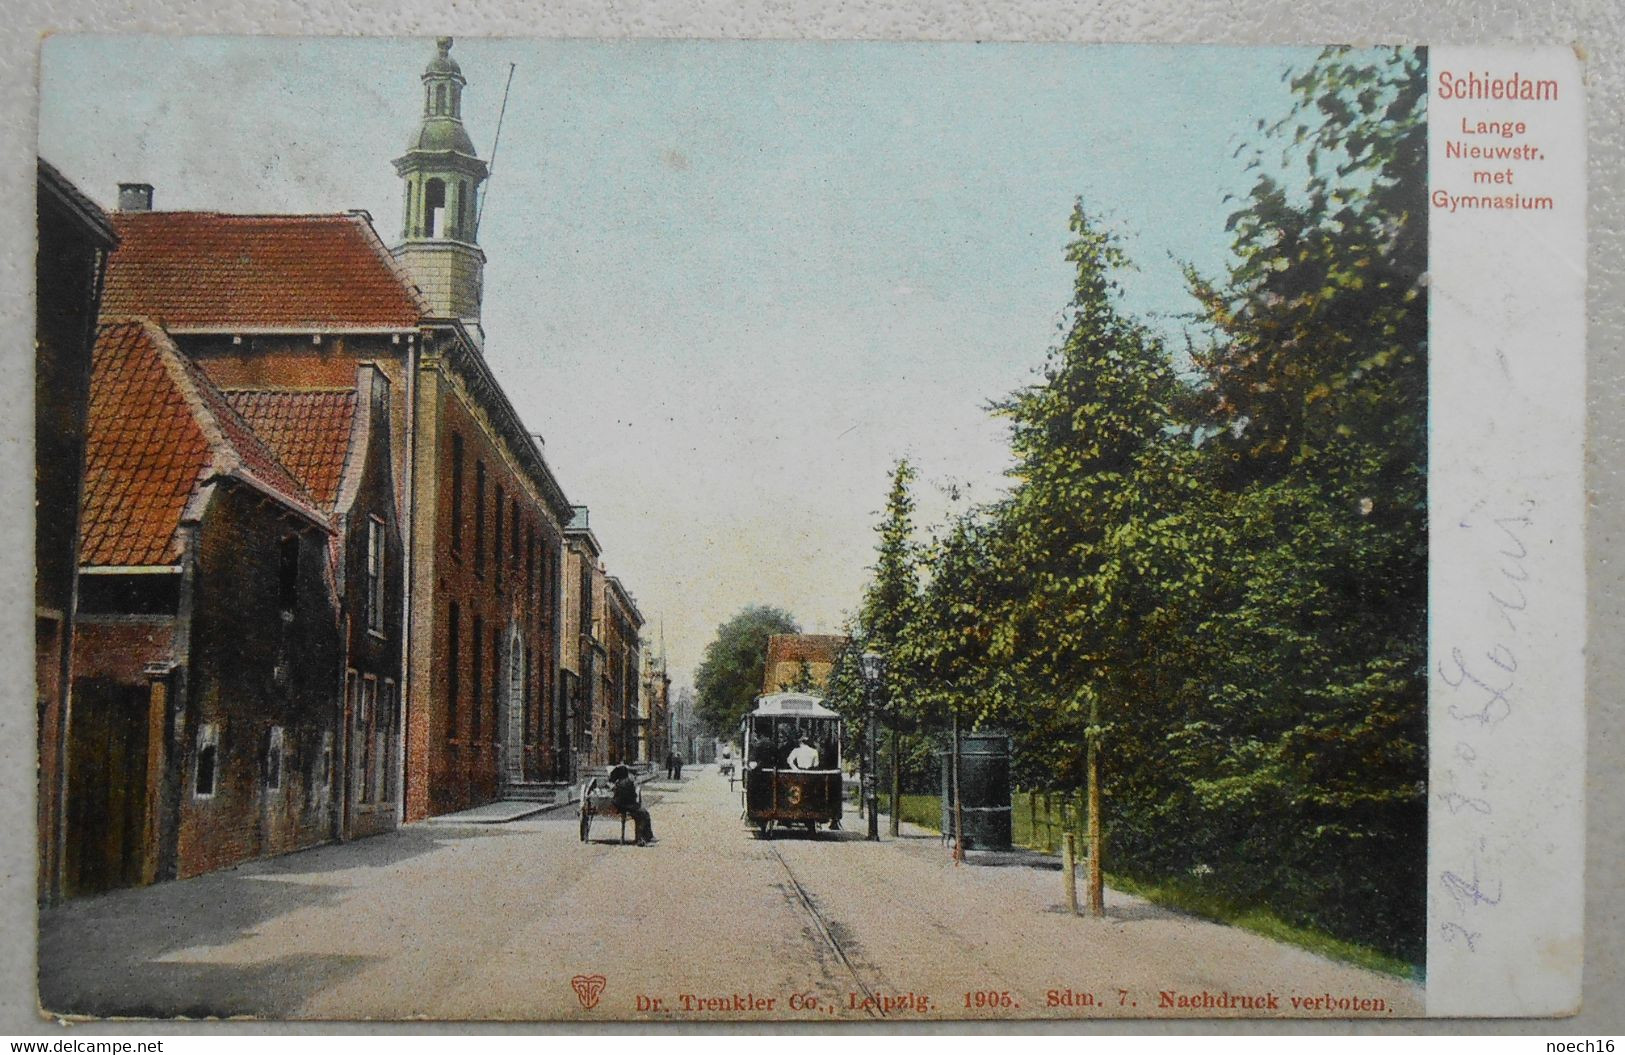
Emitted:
<point x="428" y="100"/>
<point x="462" y="209"/>
<point x="440" y="98"/>
<point x="434" y="206"/>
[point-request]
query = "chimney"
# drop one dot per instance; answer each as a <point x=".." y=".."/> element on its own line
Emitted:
<point x="135" y="197"/>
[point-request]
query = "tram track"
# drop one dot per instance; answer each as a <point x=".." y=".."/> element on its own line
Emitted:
<point x="822" y="927"/>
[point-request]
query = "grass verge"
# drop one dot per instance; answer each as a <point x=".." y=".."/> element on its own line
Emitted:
<point x="1188" y="896"/>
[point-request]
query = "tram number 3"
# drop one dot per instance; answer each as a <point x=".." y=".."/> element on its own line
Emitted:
<point x="984" y="998"/>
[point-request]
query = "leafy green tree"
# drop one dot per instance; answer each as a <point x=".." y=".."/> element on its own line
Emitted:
<point x="731" y="673"/>
<point x="1315" y="390"/>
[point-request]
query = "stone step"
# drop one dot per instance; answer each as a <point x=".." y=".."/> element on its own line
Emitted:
<point x="536" y="791"/>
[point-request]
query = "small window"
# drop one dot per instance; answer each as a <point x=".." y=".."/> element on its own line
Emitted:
<point x="375" y="573"/>
<point x="208" y="753"/>
<point x="327" y="764"/>
<point x="288" y="573"/>
<point x="273" y="760"/>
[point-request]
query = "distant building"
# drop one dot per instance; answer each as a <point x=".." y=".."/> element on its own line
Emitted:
<point x="686" y="737"/>
<point x="623" y="652"/>
<point x="801" y="661"/>
<point x="75" y="237"/>
<point x="584" y="654"/>
<point x="654" y="708"/>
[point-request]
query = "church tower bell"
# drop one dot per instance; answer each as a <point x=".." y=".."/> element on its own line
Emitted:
<point x="440" y="230"/>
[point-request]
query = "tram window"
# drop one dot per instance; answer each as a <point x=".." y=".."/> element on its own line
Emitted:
<point x="762" y="744"/>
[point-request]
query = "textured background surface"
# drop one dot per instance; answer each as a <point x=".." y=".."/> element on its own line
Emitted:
<point x="1591" y="26"/>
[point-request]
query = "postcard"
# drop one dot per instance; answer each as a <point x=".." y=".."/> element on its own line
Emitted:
<point x="673" y="531"/>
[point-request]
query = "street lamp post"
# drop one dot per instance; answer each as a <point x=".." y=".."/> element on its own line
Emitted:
<point x="874" y="666"/>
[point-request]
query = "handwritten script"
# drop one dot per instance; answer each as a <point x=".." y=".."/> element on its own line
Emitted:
<point x="1482" y="683"/>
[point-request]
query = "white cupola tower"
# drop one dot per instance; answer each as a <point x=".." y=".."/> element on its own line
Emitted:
<point x="440" y="229"/>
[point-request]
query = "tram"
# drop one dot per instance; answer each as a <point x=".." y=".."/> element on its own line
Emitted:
<point x="792" y="763"/>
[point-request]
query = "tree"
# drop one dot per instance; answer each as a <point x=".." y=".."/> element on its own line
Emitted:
<point x="1082" y="440"/>
<point x="731" y="673"/>
<point x="888" y="605"/>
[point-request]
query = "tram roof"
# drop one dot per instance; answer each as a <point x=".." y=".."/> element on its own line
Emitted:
<point x="796" y="704"/>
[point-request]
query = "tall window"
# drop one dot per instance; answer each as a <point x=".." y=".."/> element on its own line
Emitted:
<point x="365" y="722"/>
<point x="453" y="668"/>
<point x="477" y="663"/>
<point x="456" y="492"/>
<point x="530" y="719"/>
<point x="375" y="574"/>
<point x="273" y="759"/>
<point x="389" y="726"/>
<point x="513" y="520"/>
<point x="496" y="682"/>
<point x="530" y="573"/>
<point x="479" y="518"/>
<point x="434" y="206"/>
<point x="586" y="599"/>
<point x="288" y="573"/>
<point x="497" y="542"/>
<point x="325" y="774"/>
<point x="208" y="752"/>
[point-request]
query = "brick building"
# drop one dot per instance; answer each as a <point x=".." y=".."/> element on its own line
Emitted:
<point x="74" y="240"/>
<point x="300" y="304"/>
<point x="336" y="442"/>
<point x="583" y="653"/>
<point x="621" y="676"/>
<point x="209" y="654"/>
<point x="654" y="706"/>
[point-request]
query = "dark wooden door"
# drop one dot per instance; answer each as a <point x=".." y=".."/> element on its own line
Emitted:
<point x="107" y="785"/>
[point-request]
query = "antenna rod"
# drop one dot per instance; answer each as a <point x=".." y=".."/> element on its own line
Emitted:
<point x="491" y="165"/>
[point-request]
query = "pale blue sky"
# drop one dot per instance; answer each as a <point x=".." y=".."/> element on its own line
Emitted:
<point x="729" y="282"/>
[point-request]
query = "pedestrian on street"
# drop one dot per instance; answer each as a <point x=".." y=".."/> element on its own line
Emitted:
<point x="625" y="797"/>
<point x="677" y="760"/>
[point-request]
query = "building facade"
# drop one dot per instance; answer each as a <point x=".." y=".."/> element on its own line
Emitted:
<point x="75" y="237"/>
<point x="584" y="654"/>
<point x="207" y="671"/>
<point x="621" y="678"/>
<point x="299" y="304"/>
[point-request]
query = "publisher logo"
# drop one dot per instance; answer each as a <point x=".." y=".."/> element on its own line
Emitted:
<point x="588" y="988"/>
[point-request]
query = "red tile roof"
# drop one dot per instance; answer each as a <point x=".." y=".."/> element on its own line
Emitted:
<point x="308" y="431"/>
<point x="158" y="429"/>
<point x="205" y="270"/>
<point x="811" y="648"/>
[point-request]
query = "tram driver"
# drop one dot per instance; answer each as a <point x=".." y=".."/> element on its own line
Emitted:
<point x="804" y="756"/>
